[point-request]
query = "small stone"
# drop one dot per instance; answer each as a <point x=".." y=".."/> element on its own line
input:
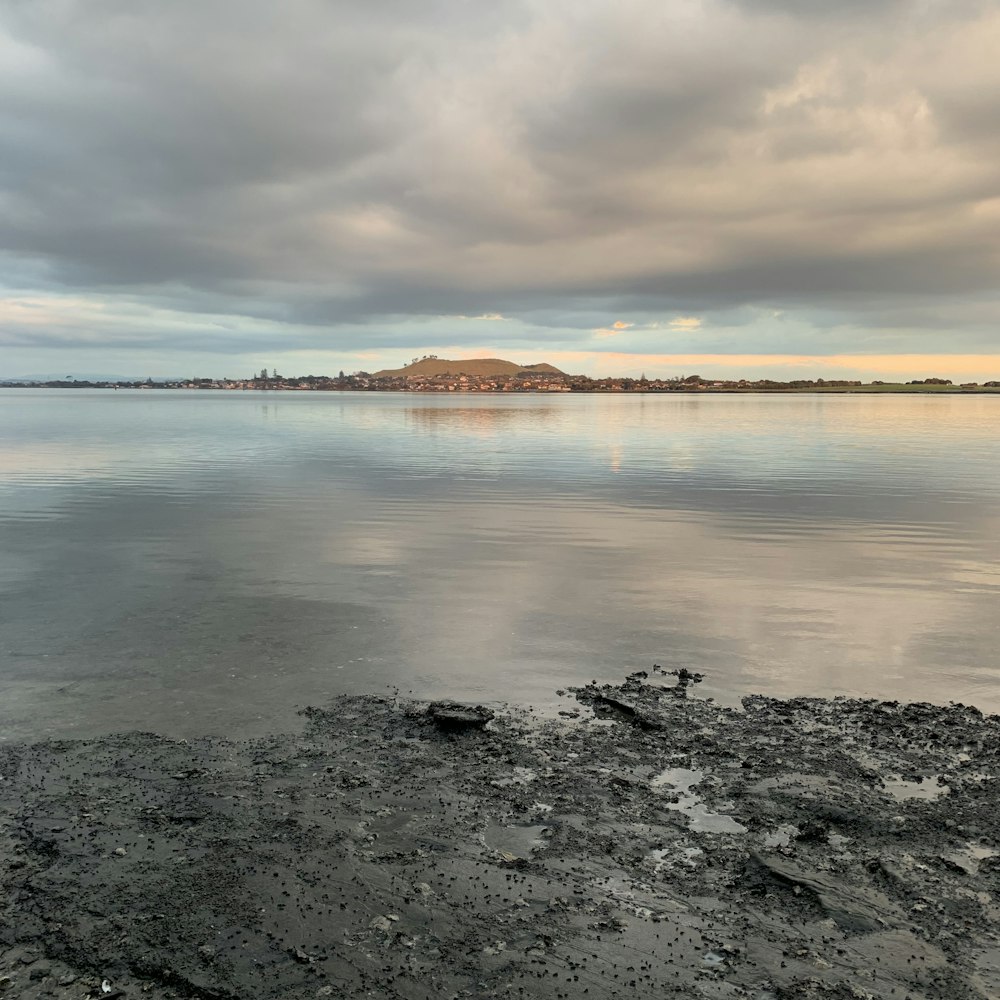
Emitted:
<point x="120" y="852"/>
<point x="380" y="924"/>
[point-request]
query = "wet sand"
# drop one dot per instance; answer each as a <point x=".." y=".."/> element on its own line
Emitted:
<point x="644" y="843"/>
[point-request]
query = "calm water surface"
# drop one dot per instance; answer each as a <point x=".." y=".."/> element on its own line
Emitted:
<point x="209" y="562"/>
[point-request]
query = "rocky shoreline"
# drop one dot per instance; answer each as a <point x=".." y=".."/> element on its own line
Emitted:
<point x="644" y="843"/>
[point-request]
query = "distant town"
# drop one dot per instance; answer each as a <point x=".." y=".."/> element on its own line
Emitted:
<point x="433" y="374"/>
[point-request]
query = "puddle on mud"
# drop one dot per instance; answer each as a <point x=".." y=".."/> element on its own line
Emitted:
<point x="970" y="857"/>
<point x="928" y="788"/>
<point x="515" y="841"/>
<point x="681" y="780"/>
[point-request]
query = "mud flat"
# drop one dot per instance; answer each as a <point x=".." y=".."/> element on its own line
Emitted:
<point x="643" y="844"/>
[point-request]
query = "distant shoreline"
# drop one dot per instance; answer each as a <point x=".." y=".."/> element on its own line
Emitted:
<point x="883" y="389"/>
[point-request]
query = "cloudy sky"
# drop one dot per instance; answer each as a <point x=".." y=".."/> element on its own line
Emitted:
<point x="749" y="187"/>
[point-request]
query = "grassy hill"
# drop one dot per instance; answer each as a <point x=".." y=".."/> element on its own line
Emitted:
<point x="478" y="367"/>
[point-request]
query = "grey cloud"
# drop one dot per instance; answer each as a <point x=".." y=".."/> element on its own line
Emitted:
<point x="826" y="9"/>
<point x="823" y="280"/>
<point x="339" y="165"/>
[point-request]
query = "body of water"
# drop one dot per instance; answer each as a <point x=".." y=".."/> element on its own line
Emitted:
<point x="208" y="562"/>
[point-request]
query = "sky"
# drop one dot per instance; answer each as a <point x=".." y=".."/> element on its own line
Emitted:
<point x="730" y="188"/>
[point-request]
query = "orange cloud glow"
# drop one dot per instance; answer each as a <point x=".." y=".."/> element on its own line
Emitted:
<point x="888" y="367"/>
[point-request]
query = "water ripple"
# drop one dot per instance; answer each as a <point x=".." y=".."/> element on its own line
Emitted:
<point x="194" y="545"/>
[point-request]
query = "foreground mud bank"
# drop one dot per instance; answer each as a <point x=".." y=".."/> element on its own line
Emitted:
<point x="643" y="844"/>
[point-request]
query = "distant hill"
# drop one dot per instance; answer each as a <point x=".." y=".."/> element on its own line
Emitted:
<point x="479" y="367"/>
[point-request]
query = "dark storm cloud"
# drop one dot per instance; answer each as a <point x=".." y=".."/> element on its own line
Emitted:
<point x="339" y="165"/>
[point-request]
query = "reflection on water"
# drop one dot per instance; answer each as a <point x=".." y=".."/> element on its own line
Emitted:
<point x="478" y="420"/>
<point x="208" y="561"/>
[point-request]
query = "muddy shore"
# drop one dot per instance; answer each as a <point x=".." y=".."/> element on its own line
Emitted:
<point x="644" y="843"/>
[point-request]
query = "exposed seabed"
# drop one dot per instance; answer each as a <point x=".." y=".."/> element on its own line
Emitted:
<point x="644" y="843"/>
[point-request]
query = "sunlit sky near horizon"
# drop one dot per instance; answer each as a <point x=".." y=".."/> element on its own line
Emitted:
<point x="737" y="188"/>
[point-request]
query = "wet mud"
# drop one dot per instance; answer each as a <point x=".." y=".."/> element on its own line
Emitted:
<point x="643" y="843"/>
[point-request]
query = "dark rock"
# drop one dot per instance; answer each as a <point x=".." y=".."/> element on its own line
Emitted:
<point x="606" y="707"/>
<point x="454" y="716"/>
<point x="817" y="830"/>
